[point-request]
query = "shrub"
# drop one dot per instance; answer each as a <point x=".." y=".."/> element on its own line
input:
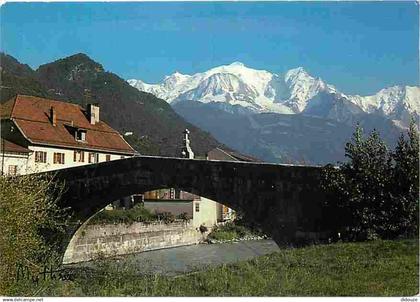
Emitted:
<point x="167" y="217"/>
<point x="137" y="214"/>
<point x="31" y="226"/>
<point x="230" y="231"/>
<point x="183" y="216"/>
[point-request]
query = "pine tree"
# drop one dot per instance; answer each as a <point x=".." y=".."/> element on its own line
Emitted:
<point x="375" y="193"/>
<point x="404" y="188"/>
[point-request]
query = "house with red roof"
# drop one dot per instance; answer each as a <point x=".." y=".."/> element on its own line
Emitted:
<point x="39" y="134"/>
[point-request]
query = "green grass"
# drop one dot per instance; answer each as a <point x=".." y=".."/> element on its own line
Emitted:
<point x="377" y="268"/>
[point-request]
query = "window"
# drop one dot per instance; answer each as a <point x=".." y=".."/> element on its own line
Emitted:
<point x="80" y="135"/>
<point x="93" y="157"/>
<point x="40" y="157"/>
<point x="108" y="157"/>
<point x="58" y="158"/>
<point x="197" y="207"/>
<point x="79" y="156"/>
<point x="12" y="170"/>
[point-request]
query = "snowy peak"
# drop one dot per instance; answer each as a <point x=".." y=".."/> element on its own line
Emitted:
<point x="294" y="73"/>
<point x="388" y="99"/>
<point x="220" y="83"/>
<point x="304" y="87"/>
<point x="237" y="64"/>
<point x="398" y="103"/>
<point x="175" y="79"/>
<point x="295" y="91"/>
<point x="234" y="84"/>
<point x="221" y="87"/>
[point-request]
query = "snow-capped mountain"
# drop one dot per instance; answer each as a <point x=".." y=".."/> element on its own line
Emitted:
<point x="234" y="84"/>
<point x="398" y="103"/>
<point x="295" y="91"/>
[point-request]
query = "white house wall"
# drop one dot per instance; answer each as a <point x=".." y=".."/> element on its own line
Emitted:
<point x="207" y="214"/>
<point x="34" y="167"/>
<point x="14" y="159"/>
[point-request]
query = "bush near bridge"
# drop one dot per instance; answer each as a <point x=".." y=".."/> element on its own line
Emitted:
<point x="237" y="229"/>
<point x="31" y="226"/>
<point x="129" y="216"/>
<point x="376" y="193"/>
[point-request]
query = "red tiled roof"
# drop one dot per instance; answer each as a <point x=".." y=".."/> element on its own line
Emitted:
<point x="10" y="147"/>
<point x="32" y="116"/>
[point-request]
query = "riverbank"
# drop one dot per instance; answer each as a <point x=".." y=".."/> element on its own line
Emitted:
<point x="186" y="259"/>
<point x="376" y="268"/>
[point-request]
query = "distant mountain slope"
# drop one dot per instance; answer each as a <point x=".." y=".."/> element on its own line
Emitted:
<point x="157" y="128"/>
<point x="281" y="138"/>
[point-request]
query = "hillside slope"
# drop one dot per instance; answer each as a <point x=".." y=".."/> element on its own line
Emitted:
<point x="17" y="78"/>
<point x="283" y="138"/>
<point x="157" y="128"/>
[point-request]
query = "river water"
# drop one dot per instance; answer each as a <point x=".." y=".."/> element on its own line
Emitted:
<point x="184" y="259"/>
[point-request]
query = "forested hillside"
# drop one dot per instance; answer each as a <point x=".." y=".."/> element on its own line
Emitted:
<point x="157" y="128"/>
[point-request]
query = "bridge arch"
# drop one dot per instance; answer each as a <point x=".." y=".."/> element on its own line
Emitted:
<point x="285" y="200"/>
<point x="90" y="240"/>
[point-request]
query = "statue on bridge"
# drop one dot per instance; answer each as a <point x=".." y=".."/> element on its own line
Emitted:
<point x="186" y="149"/>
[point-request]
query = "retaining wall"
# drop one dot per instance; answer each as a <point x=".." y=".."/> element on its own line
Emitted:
<point x="93" y="241"/>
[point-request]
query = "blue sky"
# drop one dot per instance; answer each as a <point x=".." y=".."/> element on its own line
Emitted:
<point x="360" y="47"/>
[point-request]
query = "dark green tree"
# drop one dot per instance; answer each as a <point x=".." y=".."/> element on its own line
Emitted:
<point x="375" y="193"/>
<point x="404" y="187"/>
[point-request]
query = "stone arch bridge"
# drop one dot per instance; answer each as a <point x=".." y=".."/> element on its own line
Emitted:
<point x="285" y="200"/>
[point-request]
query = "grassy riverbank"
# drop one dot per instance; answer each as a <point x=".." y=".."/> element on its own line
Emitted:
<point x="377" y="268"/>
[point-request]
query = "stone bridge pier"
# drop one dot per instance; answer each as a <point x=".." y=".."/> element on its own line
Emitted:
<point x="285" y="200"/>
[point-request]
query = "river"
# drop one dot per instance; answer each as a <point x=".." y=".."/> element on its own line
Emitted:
<point x="184" y="259"/>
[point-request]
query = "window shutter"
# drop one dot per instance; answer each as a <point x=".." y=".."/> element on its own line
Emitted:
<point x="75" y="156"/>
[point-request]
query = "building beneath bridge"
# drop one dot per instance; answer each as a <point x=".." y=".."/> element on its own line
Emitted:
<point x="201" y="210"/>
<point x="39" y="134"/>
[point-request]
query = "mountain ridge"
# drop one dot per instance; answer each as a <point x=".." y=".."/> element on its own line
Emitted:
<point x="288" y="93"/>
<point x="289" y="117"/>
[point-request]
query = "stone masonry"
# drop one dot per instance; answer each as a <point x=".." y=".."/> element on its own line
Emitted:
<point x="285" y="200"/>
<point x="93" y="241"/>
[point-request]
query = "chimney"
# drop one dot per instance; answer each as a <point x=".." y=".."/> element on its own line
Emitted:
<point x="53" y="116"/>
<point x="93" y="113"/>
